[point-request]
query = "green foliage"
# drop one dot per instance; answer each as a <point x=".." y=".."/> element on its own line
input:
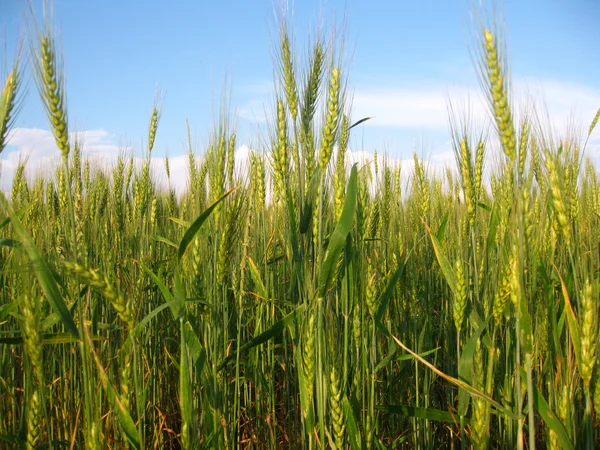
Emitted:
<point x="350" y="308"/>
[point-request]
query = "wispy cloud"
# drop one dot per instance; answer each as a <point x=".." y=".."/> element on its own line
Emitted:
<point x="593" y="146"/>
<point x="37" y="142"/>
<point x="564" y="106"/>
<point x="254" y="111"/>
<point x="405" y="113"/>
<point x="36" y="147"/>
<point x="426" y="106"/>
<point x="259" y="98"/>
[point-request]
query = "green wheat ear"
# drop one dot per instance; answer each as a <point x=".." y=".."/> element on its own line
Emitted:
<point x="594" y="122"/>
<point x="289" y="78"/>
<point x="50" y="82"/>
<point x="460" y="300"/>
<point x="9" y="104"/>
<point x="498" y="95"/>
<point x="154" y="119"/>
<point x="589" y="334"/>
<point x="331" y="119"/>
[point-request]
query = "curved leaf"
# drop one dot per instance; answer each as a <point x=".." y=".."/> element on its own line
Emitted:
<point x="465" y="367"/>
<point x="351" y="424"/>
<point x="152" y="314"/>
<point x="364" y="119"/>
<point x="42" y="272"/>
<point x="459" y="383"/>
<point x="385" y="297"/>
<point x="571" y="319"/>
<point x="551" y="419"/>
<point x="10" y="243"/>
<point x="275" y="330"/>
<point x="445" y="265"/>
<point x="420" y="413"/>
<point x="164" y="240"/>
<point x="309" y="200"/>
<point x="175" y="304"/>
<point x="338" y="238"/>
<point x="122" y="413"/>
<point x="195" y="226"/>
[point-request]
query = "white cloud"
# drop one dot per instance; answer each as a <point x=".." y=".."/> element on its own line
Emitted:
<point x="423" y="108"/>
<point x="41" y="142"/>
<point x="593" y="146"/>
<point x="254" y="111"/>
<point x="37" y="148"/>
<point x="435" y="165"/>
<point x="426" y="106"/>
<point x="404" y="113"/>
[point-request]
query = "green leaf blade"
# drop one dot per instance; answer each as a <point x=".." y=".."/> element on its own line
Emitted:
<point x="340" y="233"/>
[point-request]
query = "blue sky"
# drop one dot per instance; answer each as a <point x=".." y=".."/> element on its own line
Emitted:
<point x="404" y="59"/>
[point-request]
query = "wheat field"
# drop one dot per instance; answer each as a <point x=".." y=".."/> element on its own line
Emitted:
<point x="302" y="302"/>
